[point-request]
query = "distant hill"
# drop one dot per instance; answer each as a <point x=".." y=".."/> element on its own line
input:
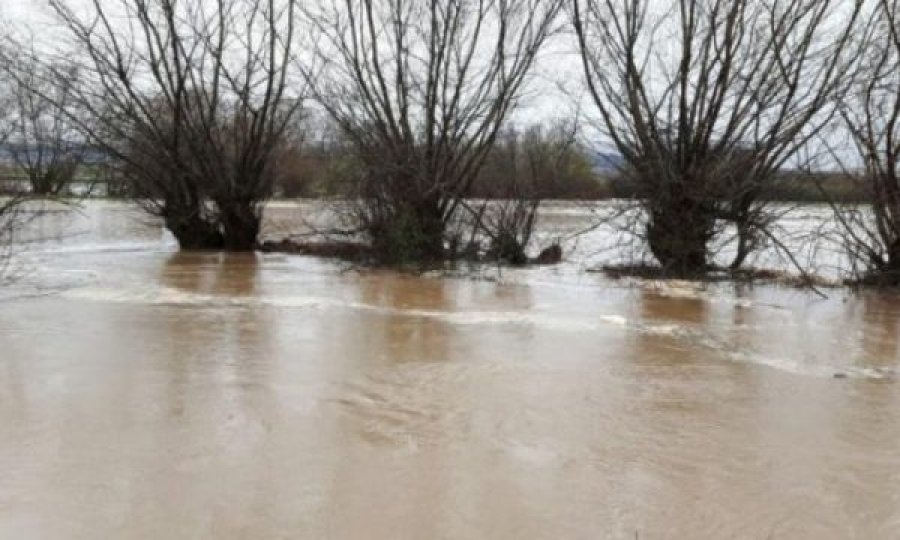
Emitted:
<point x="607" y="162"/>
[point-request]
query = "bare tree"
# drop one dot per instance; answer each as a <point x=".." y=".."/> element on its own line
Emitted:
<point x="43" y="143"/>
<point x="524" y="168"/>
<point x="12" y="198"/>
<point x="191" y="98"/>
<point x="420" y="90"/>
<point x="707" y="100"/>
<point x="870" y="234"/>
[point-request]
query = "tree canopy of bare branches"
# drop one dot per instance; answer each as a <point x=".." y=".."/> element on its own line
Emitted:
<point x="42" y="142"/>
<point x="706" y="100"/>
<point x="870" y="234"/>
<point x="12" y="200"/>
<point x="420" y="90"/>
<point x="191" y="98"/>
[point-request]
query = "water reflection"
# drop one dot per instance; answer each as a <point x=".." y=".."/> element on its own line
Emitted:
<point x="402" y="337"/>
<point x="200" y="272"/>
<point x="878" y="326"/>
<point x="679" y="304"/>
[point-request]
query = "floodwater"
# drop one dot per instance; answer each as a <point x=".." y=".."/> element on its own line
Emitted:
<point x="146" y="393"/>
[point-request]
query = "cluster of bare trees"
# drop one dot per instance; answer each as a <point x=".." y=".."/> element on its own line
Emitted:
<point x="200" y="105"/>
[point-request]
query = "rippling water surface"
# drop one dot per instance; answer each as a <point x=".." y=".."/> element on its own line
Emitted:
<point x="146" y="393"/>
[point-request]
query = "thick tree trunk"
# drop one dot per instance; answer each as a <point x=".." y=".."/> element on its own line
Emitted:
<point x="745" y="245"/>
<point x="192" y="232"/>
<point x="679" y="235"/>
<point x="41" y="188"/>
<point x="44" y="186"/>
<point x="240" y="225"/>
<point x="889" y="272"/>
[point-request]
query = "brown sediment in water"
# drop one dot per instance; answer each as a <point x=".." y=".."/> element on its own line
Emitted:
<point x="204" y="395"/>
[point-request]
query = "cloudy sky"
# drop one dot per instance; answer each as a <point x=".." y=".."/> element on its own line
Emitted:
<point x="557" y="90"/>
<point x="558" y="68"/>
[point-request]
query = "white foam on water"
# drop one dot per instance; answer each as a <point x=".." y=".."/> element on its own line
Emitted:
<point x="543" y="321"/>
<point x="98" y="247"/>
<point x="680" y="289"/>
<point x="505" y="318"/>
<point x="174" y="296"/>
<point x="674" y="288"/>
<point x="458" y="318"/>
<point x="673" y="330"/>
<point x="301" y="302"/>
<point x="615" y="320"/>
<point x="150" y="296"/>
<point x="827" y="371"/>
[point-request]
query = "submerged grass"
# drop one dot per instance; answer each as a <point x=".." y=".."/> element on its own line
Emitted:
<point x="364" y="254"/>
<point x="716" y="274"/>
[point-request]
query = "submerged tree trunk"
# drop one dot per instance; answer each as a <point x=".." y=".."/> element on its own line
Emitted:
<point x="889" y="271"/>
<point x="745" y="245"/>
<point x="679" y="234"/>
<point x="190" y="100"/>
<point x="240" y="225"/>
<point x="42" y="188"/>
<point x="193" y="232"/>
<point x="53" y="180"/>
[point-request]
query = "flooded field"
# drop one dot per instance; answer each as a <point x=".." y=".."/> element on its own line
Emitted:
<point x="146" y="393"/>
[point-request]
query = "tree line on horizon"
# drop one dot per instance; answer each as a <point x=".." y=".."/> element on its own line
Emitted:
<point x="717" y="109"/>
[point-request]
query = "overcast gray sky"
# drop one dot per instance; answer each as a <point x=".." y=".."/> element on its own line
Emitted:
<point x="544" y="100"/>
<point x="558" y="68"/>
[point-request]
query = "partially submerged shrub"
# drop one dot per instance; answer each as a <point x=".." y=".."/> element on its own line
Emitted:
<point x="421" y="135"/>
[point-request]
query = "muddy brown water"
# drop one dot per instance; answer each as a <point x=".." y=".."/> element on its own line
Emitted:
<point x="146" y="393"/>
